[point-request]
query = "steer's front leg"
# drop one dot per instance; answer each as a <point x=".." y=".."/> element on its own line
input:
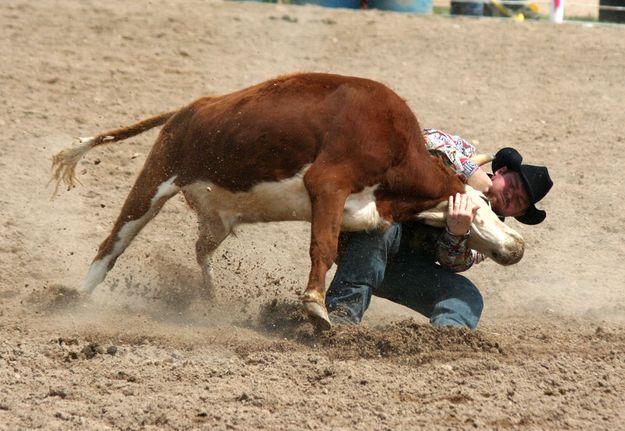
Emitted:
<point x="328" y="192"/>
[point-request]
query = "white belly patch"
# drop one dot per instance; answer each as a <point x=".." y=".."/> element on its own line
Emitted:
<point x="284" y="200"/>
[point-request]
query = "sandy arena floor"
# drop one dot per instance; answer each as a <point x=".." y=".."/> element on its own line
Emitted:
<point x="145" y="353"/>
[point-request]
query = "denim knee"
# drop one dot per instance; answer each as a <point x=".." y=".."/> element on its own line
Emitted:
<point x="462" y="305"/>
<point x="361" y="270"/>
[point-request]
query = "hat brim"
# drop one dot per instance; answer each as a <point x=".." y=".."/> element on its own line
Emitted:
<point x="532" y="216"/>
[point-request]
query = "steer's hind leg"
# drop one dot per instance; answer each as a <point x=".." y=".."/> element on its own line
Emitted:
<point x="328" y="188"/>
<point x="147" y="197"/>
<point x="212" y="230"/>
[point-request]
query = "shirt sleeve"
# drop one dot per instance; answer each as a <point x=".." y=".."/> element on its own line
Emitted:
<point x="456" y="150"/>
<point x="453" y="254"/>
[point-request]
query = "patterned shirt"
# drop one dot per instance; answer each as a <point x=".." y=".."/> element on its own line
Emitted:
<point x="449" y="250"/>
<point x="455" y="150"/>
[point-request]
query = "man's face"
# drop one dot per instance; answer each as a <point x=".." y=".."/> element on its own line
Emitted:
<point x="507" y="195"/>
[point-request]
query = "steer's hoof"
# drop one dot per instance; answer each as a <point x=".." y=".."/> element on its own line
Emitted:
<point x="318" y="315"/>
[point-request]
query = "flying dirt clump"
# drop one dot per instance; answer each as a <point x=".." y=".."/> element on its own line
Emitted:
<point x="402" y="339"/>
<point x="54" y="297"/>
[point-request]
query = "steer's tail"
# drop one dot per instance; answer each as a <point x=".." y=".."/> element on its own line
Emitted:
<point x="64" y="162"/>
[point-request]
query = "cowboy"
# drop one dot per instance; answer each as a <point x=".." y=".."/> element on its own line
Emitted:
<point x="418" y="266"/>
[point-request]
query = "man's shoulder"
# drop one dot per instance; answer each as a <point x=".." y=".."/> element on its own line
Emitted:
<point x="439" y="138"/>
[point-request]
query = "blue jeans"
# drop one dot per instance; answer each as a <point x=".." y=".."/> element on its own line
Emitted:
<point x="380" y="263"/>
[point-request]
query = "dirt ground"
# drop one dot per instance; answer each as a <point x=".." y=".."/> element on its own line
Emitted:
<point x="146" y="353"/>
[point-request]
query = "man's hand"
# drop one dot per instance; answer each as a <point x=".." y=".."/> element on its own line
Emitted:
<point x="460" y="214"/>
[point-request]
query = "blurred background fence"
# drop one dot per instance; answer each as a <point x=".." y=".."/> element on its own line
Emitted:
<point x="612" y="11"/>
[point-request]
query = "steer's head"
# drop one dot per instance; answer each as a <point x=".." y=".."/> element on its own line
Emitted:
<point x="488" y="235"/>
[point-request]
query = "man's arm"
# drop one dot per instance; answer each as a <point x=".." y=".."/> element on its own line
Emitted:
<point x="452" y="252"/>
<point x="480" y="181"/>
<point x="451" y="248"/>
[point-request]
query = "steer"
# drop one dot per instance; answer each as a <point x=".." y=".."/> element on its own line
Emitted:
<point x="344" y="153"/>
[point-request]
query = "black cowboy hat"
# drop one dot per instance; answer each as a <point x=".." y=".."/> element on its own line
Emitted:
<point x="536" y="179"/>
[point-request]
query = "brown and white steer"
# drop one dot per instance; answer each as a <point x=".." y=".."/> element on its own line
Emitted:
<point x="344" y="153"/>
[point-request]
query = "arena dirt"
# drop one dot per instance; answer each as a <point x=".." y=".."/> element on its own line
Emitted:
<point x="145" y="352"/>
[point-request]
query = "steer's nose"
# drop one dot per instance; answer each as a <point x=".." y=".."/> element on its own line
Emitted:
<point x="512" y="254"/>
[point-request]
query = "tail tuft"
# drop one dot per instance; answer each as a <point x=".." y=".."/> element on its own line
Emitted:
<point x="64" y="164"/>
